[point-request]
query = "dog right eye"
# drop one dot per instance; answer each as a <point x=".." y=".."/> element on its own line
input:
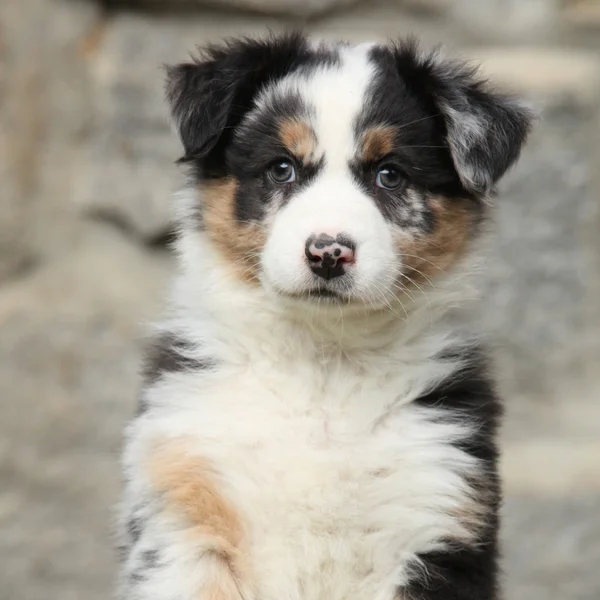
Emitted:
<point x="282" y="172"/>
<point x="389" y="178"/>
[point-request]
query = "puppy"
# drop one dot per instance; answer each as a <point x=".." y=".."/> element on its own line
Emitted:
<point x="317" y="421"/>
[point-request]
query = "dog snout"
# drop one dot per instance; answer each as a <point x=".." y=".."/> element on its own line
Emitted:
<point x="330" y="256"/>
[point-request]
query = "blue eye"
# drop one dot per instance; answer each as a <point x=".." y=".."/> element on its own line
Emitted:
<point x="388" y="178"/>
<point x="282" y="172"/>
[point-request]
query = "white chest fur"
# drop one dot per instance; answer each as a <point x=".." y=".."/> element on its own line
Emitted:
<point x="338" y="479"/>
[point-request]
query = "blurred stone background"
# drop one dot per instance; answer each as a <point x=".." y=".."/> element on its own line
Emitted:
<point x="86" y="168"/>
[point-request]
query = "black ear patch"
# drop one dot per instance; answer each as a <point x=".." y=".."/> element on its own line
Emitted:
<point x="210" y="95"/>
<point x="485" y="130"/>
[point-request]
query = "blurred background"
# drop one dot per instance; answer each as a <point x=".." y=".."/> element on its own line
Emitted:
<point x="86" y="169"/>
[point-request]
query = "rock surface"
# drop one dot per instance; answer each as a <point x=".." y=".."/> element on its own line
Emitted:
<point x="82" y="269"/>
<point x="307" y="8"/>
<point x="68" y="380"/>
<point x="512" y="18"/>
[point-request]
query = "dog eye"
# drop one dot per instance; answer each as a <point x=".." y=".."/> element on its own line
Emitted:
<point x="389" y="178"/>
<point x="282" y="172"/>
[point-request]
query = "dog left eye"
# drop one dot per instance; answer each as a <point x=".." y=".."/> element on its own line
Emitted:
<point x="282" y="172"/>
<point x="388" y="178"/>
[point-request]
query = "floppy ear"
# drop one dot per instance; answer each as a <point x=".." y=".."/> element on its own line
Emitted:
<point x="485" y="130"/>
<point x="213" y="92"/>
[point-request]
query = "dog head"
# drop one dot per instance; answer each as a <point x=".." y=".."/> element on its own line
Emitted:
<point x="349" y="172"/>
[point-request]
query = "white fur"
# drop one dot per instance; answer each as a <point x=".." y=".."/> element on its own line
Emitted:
<point x="305" y="411"/>
<point x="334" y="204"/>
<point x="339" y="480"/>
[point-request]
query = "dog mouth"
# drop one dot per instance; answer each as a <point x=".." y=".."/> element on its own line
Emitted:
<point x="320" y="294"/>
<point x="324" y="293"/>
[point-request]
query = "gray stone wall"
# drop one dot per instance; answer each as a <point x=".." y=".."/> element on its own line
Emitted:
<point x="85" y="174"/>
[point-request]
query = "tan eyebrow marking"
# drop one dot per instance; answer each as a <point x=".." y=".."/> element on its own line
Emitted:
<point x="299" y="138"/>
<point x="376" y="143"/>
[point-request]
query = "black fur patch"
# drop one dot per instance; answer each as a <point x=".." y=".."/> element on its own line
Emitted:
<point x="134" y="526"/>
<point x="210" y="96"/>
<point x="167" y="354"/>
<point x="461" y="573"/>
<point x="459" y="102"/>
<point x="146" y="562"/>
<point x="467" y="572"/>
<point x="420" y="149"/>
<point x="150" y="559"/>
<point x="471" y="395"/>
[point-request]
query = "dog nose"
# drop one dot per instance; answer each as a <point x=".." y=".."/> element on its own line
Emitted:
<point x="329" y="257"/>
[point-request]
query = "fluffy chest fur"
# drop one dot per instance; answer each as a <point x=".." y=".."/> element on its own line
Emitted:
<point x="337" y="479"/>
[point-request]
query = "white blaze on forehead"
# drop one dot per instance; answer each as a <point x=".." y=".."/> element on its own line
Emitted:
<point x="336" y="95"/>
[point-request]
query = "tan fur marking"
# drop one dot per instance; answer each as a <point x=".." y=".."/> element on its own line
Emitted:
<point x="431" y="255"/>
<point x="239" y="242"/>
<point x="299" y="138"/>
<point x="190" y="487"/>
<point x="189" y="484"/>
<point x="377" y="143"/>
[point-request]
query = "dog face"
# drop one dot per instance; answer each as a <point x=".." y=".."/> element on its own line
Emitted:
<point x="336" y="171"/>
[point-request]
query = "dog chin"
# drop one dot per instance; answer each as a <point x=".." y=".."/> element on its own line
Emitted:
<point x="310" y="295"/>
<point x="323" y="296"/>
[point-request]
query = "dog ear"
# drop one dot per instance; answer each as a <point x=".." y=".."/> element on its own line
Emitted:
<point x="485" y="130"/>
<point x="213" y="92"/>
